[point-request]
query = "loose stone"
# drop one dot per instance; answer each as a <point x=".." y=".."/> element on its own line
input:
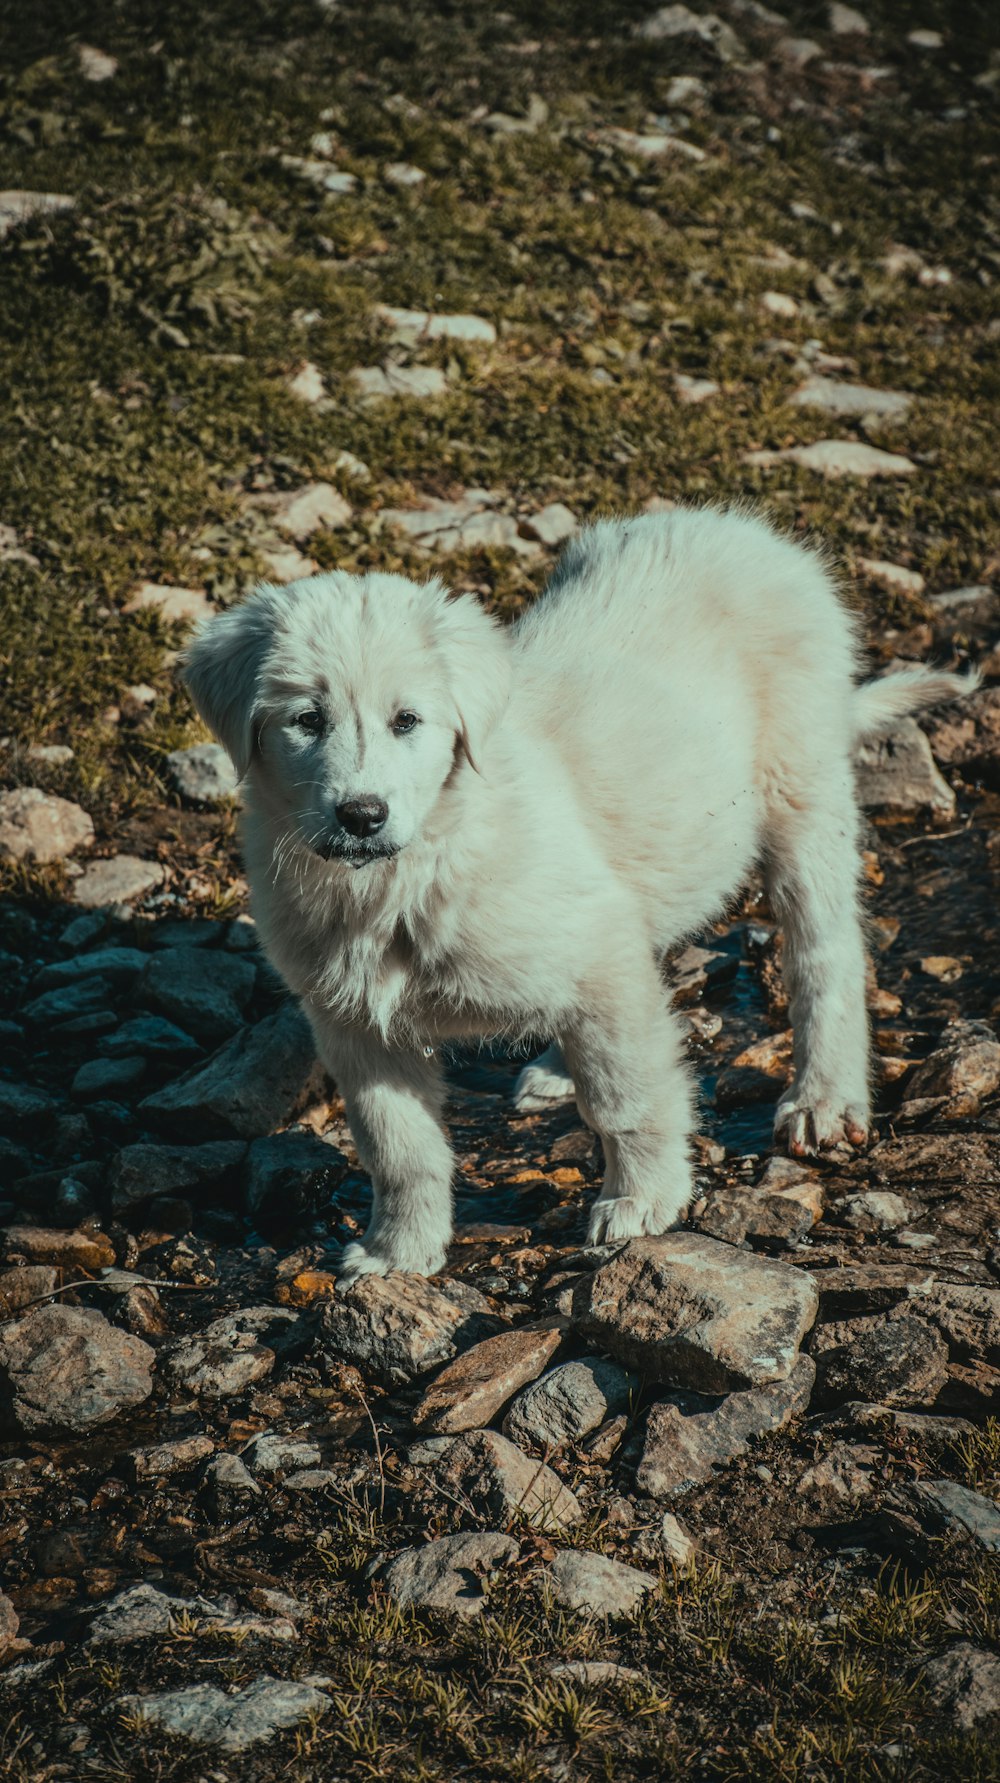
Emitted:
<point x="962" y="1070"/>
<point x="961" y="1509"/>
<point x="899" y="1361"/>
<point x="203" y="774"/>
<point x="448" y="1574"/>
<point x="67" y="1368"/>
<point x="252" y="1085"/>
<point x="374" y="383"/>
<point x="966" y="1681"/>
<point x="203" y="989"/>
<point x="116" y="881"/>
<point x="140" y="1172"/>
<point x="850" y="399"/>
<point x="38" y="826"/>
<point x="569" y="1402"/>
<point x="594" y="1585"/>
<point x="398" y="1327"/>
<point x="205" y="1715"/>
<point x="898" y="772"/>
<point x="503" y="1484"/>
<point x="188" y="606"/>
<point x="233" y="1352"/>
<point x="837" y="458"/>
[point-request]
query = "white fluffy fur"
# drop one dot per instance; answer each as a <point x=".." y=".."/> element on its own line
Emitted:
<point x="583" y="791"/>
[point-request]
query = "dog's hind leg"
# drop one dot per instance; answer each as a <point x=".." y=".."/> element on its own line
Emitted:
<point x="625" y="1053"/>
<point x="812" y="868"/>
<point x="544" y="1083"/>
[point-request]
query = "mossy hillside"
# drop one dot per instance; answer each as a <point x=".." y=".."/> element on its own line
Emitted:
<point x="124" y="450"/>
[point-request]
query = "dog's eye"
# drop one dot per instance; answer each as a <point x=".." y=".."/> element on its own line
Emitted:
<point x="311" y="722"/>
<point x="404" y="722"/>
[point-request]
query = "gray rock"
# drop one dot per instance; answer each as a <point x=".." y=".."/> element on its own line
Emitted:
<point x="898" y="1361"/>
<point x="674" y="1540"/>
<point x="410" y="326"/>
<point x="897" y="772"/>
<point x="959" y="1508"/>
<point x="448" y="1574"/>
<point x="184" y="606"/>
<point x="10" y="1622"/>
<point x="252" y="1085"/>
<point x="688" y="1435"/>
<point x="491" y="1474"/>
<point x="203" y="774"/>
<point x="206" y="1716"/>
<point x="594" y="1585"/>
<point x="119" y="966"/>
<point x="17" y="206"/>
<point x="398" y="1327"/>
<point x="140" y="1172"/>
<point x="233" y="1352"/>
<point x="116" y="881"/>
<point x="169" y="1458"/>
<point x="99" y="1079"/>
<point x="875" y="1210"/>
<point x="202" y="989"/>
<point x="553" y="524"/>
<point x="569" y="1402"/>
<point x="144" y="1612"/>
<point x="151" y="1035"/>
<point x="963" y="1069"/>
<point x="680" y="21"/>
<point x="691" y="1312"/>
<point x="21" y="1104"/>
<point x="966" y="1681"/>
<point x="37" y="826"/>
<point x="69" y="1002"/>
<point x="226" y="1481"/>
<point x="837" y="458"/>
<point x="374" y="383"/>
<point x="271" y="1452"/>
<point x="67" y="1368"/>
<point x="290" y="1172"/>
<point x="850" y="399"/>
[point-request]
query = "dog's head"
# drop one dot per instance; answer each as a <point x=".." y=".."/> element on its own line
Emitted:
<point x="345" y="700"/>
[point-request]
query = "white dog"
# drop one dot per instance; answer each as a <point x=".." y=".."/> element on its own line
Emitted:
<point x="454" y="829"/>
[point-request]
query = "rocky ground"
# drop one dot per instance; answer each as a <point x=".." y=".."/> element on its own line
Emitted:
<point x="318" y="284"/>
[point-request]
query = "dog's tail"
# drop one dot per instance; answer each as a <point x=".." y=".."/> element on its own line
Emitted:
<point x="879" y="704"/>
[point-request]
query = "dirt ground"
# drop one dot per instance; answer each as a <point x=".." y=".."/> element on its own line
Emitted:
<point x="668" y="231"/>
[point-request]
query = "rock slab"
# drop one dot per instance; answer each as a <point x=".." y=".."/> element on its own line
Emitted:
<point x="691" y="1312"/>
<point x="469" y="1392"/>
<point x="249" y="1087"/>
<point x="38" y="826"/>
<point x="206" y="1716"/>
<point x="689" y="1435"/>
<point x="67" y="1368"/>
<point x="965" y="1680"/>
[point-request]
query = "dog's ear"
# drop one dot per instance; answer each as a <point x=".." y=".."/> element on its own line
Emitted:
<point x="221" y="669"/>
<point x="477" y="653"/>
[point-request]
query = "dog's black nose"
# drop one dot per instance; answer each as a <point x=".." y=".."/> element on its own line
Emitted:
<point x="362" y="817"/>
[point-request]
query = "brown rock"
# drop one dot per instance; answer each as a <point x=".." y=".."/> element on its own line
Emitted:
<point x="691" y="1312"/>
<point x="66" y="1250"/>
<point x="897" y="1361"/>
<point x="967" y="1317"/>
<point x="469" y="1392"/>
<point x="689" y="1435"/>
<point x="485" y="1470"/>
<point x="67" y="1368"/>
<point x="19" y="1287"/>
<point x="963" y="1069"/>
<point x="9" y="1625"/>
<point x="401" y="1326"/>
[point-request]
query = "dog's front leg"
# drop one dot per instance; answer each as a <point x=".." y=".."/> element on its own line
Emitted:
<point x="393" y="1102"/>
<point x="625" y="1053"/>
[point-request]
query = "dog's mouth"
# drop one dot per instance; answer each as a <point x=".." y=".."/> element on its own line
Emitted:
<point x="353" y="853"/>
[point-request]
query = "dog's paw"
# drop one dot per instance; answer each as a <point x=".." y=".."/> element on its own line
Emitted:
<point x="815" y="1124"/>
<point x="543" y="1084"/>
<point x="623" y="1217"/>
<point x="358" y="1260"/>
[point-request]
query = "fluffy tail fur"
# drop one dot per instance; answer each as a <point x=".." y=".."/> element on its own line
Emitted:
<point x="878" y="705"/>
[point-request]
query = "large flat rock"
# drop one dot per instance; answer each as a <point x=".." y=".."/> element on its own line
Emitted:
<point x="689" y="1435"/>
<point x="692" y="1312"/>
<point x="469" y="1392"/>
<point x="448" y="1574"/>
<point x="67" y="1368"/>
<point x="250" y="1086"/>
